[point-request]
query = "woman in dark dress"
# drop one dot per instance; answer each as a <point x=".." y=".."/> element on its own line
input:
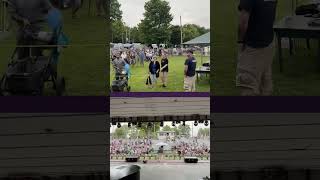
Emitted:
<point x="164" y="69"/>
<point x="154" y="69"/>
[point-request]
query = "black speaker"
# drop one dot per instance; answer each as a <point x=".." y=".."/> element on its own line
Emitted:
<point x="191" y="160"/>
<point x="132" y="159"/>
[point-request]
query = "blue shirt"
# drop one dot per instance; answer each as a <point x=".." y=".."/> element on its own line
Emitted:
<point x="154" y="68"/>
<point x="127" y="69"/>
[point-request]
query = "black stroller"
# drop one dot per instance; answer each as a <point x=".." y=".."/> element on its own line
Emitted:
<point x="121" y="82"/>
<point x="27" y="75"/>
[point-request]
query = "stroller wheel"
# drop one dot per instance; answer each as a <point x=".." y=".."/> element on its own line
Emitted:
<point x="128" y="89"/>
<point x="60" y="86"/>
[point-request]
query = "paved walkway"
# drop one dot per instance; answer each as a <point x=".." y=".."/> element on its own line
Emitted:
<point x="170" y="170"/>
<point x="157" y="161"/>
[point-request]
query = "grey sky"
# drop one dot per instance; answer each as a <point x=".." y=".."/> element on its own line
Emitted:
<point x="192" y="11"/>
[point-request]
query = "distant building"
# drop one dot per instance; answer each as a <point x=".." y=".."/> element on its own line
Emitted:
<point x="166" y="135"/>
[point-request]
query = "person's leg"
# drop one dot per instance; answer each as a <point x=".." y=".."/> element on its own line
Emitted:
<point x="98" y="5"/>
<point x="165" y="77"/>
<point x="105" y="6"/>
<point x="76" y="4"/>
<point x="22" y="52"/>
<point x="153" y="80"/>
<point x="187" y="84"/>
<point x="249" y="72"/>
<point x="266" y="81"/>
<point x="193" y="84"/>
<point x="161" y="77"/>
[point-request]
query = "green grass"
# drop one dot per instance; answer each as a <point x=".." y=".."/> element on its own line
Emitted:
<point x="175" y="79"/>
<point x="300" y="77"/>
<point x="84" y="67"/>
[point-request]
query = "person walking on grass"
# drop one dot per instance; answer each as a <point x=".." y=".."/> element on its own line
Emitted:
<point x="160" y="153"/>
<point x="154" y="68"/>
<point x="29" y="15"/>
<point x="76" y="5"/>
<point x="255" y="53"/>
<point x="164" y="69"/>
<point x="119" y="66"/>
<point x="142" y="57"/>
<point x="101" y="5"/>
<point x="190" y="72"/>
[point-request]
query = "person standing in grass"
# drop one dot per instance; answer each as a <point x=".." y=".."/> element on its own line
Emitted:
<point x="164" y="69"/>
<point x="190" y="72"/>
<point x="255" y="54"/>
<point x="142" y="57"/>
<point x="76" y="5"/>
<point x="127" y="69"/>
<point x="101" y="4"/>
<point x="160" y="153"/>
<point x="154" y="68"/>
<point x="119" y="65"/>
<point x="29" y="15"/>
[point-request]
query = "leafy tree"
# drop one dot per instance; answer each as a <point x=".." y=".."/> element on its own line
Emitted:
<point x="156" y="22"/>
<point x="149" y="130"/>
<point x="117" y="26"/>
<point x="142" y="133"/>
<point x="166" y="128"/>
<point x="136" y="35"/>
<point x="176" y="130"/>
<point x="175" y="37"/>
<point x="191" y="31"/>
<point x="204" y="132"/>
<point x="118" y="31"/>
<point x="115" y="11"/>
<point x="133" y="132"/>
<point x="184" y="130"/>
<point x="120" y="133"/>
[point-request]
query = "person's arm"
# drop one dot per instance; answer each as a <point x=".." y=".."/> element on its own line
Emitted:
<point x="158" y="67"/>
<point x="245" y="8"/>
<point x="150" y="64"/>
<point x="46" y="5"/>
<point x="163" y="67"/>
<point x="243" y="25"/>
<point x="13" y="11"/>
<point x="185" y="68"/>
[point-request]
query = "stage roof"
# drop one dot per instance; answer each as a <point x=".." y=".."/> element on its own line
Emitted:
<point x="159" y="108"/>
<point x="201" y="40"/>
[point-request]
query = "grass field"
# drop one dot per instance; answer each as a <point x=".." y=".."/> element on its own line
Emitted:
<point x="84" y="67"/>
<point x="300" y="77"/>
<point x="139" y="75"/>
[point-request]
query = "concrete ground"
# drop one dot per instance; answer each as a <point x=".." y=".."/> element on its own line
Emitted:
<point x="170" y="170"/>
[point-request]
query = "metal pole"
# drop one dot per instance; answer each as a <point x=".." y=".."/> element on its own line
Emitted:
<point x="181" y="41"/>
<point x="126" y="35"/>
<point x="192" y="130"/>
<point x="89" y="9"/>
<point x="2" y="13"/>
<point x="292" y="7"/>
<point x="5" y="16"/>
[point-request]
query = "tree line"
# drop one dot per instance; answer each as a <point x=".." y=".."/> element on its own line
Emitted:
<point x="154" y="28"/>
<point x="151" y="130"/>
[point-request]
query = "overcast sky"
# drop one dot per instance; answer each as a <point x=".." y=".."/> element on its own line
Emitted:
<point x="192" y="11"/>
